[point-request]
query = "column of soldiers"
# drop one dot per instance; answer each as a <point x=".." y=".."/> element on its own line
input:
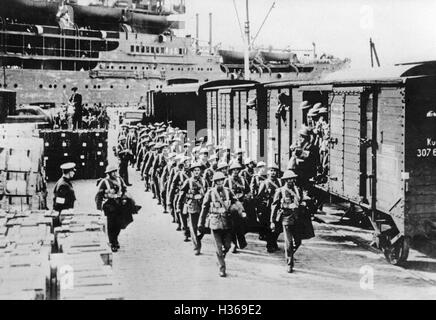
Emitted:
<point x="208" y="189"/>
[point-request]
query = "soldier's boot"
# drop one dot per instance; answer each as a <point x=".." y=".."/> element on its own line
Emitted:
<point x="222" y="264"/>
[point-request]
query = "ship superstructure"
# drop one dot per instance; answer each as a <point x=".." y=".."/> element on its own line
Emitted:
<point x="113" y="51"/>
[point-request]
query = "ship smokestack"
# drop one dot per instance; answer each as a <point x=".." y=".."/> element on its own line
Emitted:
<point x="210" y="33"/>
<point x="197" y="33"/>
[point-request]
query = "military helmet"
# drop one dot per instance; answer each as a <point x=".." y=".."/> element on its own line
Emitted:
<point x="289" y="174"/>
<point x="305" y="105"/>
<point x="248" y="161"/>
<point x="260" y="164"/>
<point x="322" y="110"/>
<point x="111" y="168"/>
<point x="197" y="165"/>
<point x="218" y="176"/>
<point x="274" y="166"/>
<point x="204" y="150"/>
<point x="312" y="112"/>
<point x="222" y="165"/>
<point x="235" y="165"/>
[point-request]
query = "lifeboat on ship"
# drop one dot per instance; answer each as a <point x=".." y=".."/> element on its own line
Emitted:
<point x="235" y="57"/>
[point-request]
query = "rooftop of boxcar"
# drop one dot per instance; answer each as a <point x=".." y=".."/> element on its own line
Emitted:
<point x="196" y="87"/>
<point x="360" y="76"/>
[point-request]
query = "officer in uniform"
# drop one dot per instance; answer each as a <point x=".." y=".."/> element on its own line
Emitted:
<point x="64" y="196"/>
<point x="132" y="142"/>
<point x="265" y="197"/>
<point x="240" y="189"/>
<point x="125" y="155"/>
<point x="191" y="199"/>
<point x="285" y="208"/>
<point x="215" y="214"/>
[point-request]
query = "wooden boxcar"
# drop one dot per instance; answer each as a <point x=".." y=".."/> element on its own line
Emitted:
<point x="186" y="105"/>
<point x="234" y="122"/>
<point x="382" y="146"/>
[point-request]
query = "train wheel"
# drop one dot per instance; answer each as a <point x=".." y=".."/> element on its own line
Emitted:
<point x="397" y="253"/>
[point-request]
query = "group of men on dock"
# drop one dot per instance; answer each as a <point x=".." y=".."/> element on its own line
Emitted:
<point x="210" y="189"/>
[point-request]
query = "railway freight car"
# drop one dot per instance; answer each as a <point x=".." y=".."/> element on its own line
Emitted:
<point x="185" y="104"/>
<point x="381" y="147"/>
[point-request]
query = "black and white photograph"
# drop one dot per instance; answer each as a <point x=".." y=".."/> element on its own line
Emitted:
<point x="217" y="150"/>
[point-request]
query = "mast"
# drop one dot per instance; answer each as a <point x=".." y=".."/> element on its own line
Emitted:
<point x="247" y="45"/>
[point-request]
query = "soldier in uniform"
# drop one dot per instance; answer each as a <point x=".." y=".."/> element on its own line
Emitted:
<point x="256" y="181"/>
<point x="239" y="157"/>
<point x="265" y="198"/>
<point x="109" y="198"/>
<point x="145" y="162"/>
<point x="240" y="189"/>
<point x="209" y="172"/>
<point x="132" y="142"/>
<point x="124" y="155"/>
<point x="177" y="183"/>
<point x="163" y="179"/>
<point x="64" y="196"/>
<point x="285" y="208"/>
<point x="248" y="172"/>
<point x="223" y="168"/>
<point x="215" y="214"/>
<point x="191" y="198"/>
<point x="156" y="170"/>
<point x="178" y="166"/>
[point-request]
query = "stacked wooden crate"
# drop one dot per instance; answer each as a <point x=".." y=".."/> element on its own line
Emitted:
<point x="83" y="265"/>
<point x="26" y="242"/>
<point x="22" y="176"/>
<point x="86" y="148"/>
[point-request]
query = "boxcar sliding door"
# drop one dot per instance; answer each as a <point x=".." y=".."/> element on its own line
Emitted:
<point x="348" y="132"/>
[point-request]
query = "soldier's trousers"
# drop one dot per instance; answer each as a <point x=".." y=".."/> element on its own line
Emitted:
<point x="238" y="237"/>
<point x="163" y="196"/>
<point x="264" y="216"/>
<point x="124" y="171"/>
<point x="193" y="227"/>
<point x="157" y="188"/>
<point x="223" y="240"/>
<point x="113" y="227"/>
<point x="289" y="232"/>
<point x="184" y="221"/>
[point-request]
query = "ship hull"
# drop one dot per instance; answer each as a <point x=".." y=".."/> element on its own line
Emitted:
<point x="54" y="86"/>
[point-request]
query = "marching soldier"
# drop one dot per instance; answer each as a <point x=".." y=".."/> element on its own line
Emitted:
<point x="248" y="172"/>
<point x="239" y="157"/>
<point x="145" y="162"/>
<point x="265" y="197"/>
<point x="258" y="178"/>
<point x="163" y="180"/>
<point x="223" y="168"/>
<point x="64" y="196"/>
<point x="240" y="189"/>
<point x="110" y="198"/>
<point x="285" y="208"/>
<point x="191" y="198"/>
<point x="177" y="183"/>
<point x="156" y="170"/>
<point x="204" y="158"/>
<point x="125" y="156"/>
<point x="216" y="211"/>
<point x="131" y="142"/>
<point x="209" y="172"/>
<point x="172" y="174"/>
